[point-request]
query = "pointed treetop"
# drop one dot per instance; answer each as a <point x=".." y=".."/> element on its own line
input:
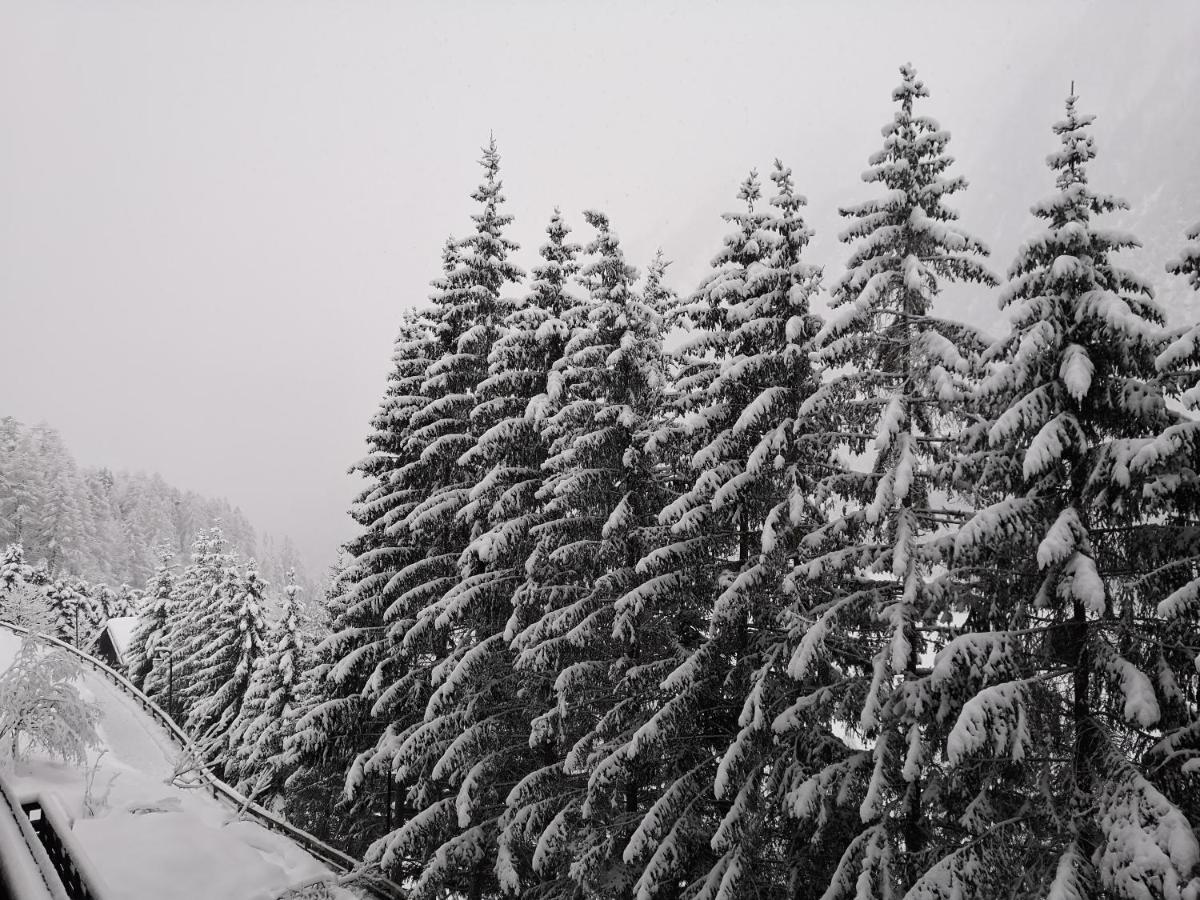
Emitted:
<point x="786" y="199"/>
<point x="557" y="230"/>
<point x="910" y="88"/>
<point x="491" y="157"/>
<point x="449" y="254"/>
<point x="609" y="273"/>
<point x="1078" y="147"/>
<point x="750" y="189"/>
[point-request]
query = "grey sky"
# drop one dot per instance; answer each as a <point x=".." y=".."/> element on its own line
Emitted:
<point x="212" y="213"/>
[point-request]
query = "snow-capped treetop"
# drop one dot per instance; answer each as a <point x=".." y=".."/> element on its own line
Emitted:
<point x="1079" y="318"/>
<point x="478" y="269"/>
<point x="906" y="239"/>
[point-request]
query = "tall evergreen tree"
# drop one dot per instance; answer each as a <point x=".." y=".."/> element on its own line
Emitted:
<point x="601" y="496"/>
<point x="448" y="631"/>
<point x="494" y="753"/>
<point x="1068" y="664"/>
<point x="221" y="674"/>
<point x="743" y="378"/>
<point x="202" y="591"/>
<point x="269" y="708"/>
<point x="360" y="680"/>
<point x="1181" y="359"/>
<point x="900" y="377"/>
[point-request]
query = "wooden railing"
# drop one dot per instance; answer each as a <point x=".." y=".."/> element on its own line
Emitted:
<point x="346" y="866"/>
<point x="26" y="871"/>
<point x="52" y="826"/>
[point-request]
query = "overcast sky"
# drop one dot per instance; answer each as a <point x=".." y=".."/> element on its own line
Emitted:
<point x="213" y="213"/>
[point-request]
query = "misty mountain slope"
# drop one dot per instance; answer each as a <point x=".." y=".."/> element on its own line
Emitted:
<point x="107" y="526"/>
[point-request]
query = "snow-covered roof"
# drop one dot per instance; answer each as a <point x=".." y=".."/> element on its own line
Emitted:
<point x="120" y="632"/>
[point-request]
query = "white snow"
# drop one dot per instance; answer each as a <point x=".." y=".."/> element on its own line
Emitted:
<point x="148" y="838"/>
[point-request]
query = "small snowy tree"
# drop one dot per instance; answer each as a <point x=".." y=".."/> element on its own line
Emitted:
<point x="14" y="570"/>
<point x="152" y="620"/>
<point x="28" y="607"/>
<point x="21" y="601"/>
<point x="41" y="708"/>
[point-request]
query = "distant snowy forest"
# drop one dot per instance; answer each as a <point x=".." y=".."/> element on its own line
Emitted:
<point x="111" y="527"/>
<point x="703" y="596"/>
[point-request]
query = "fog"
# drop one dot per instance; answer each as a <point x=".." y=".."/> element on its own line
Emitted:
<point x="213" y="214"/>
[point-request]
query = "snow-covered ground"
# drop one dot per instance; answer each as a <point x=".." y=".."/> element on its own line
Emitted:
<point x="147" y="837"/>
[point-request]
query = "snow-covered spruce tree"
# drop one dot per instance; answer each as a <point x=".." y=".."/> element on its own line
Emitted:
<point x="22" y="602"/>
<point x="152" y="619"/>
<point x="743" y="377"/>
<point x="540" y="804"/>
<point x="1170" y="462"/>
<point x="481" y="691"/>
<point x="375" y="596"/>
<point x="331" y="726"/>
<point x="41" y="707"/>
<point x="441" y="632"/>
<point x="671" y="845"/>
<point x="221" y="673"/>
<point x="14" y="571"/>
<point x="894" y="402"/>
<point x="72" y="609"/>
<point x="571" y="816"/>
<point x="269" y="709"/>
<point x="190" y="624"/>
<point x="1068" y="667"/>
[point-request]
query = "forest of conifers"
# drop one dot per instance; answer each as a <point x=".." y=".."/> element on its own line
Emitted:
<point x="861" y="607"/>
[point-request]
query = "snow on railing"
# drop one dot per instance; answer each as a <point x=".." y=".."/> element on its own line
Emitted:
<point x="26" y="871"/>
<point x="341" y="863"/>
<point x="74" y="867"/>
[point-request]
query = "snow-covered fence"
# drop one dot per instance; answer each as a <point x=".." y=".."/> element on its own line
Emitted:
<point x="339" y="862"/>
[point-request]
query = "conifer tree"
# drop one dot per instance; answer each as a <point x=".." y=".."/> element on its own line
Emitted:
<point x="220" y="674"/>
<point x="1174" y="484"/>
<point x="21" y="601"/>
<point x="331" y="726"/>
<point x="744" y="375"/>
<point x="268" y="710"/>
<point x="14" y="571"/>
<point x="361" y="681"/>
<point x="900" y="378"/>
<point x="483" y="691"/>
<point x="1068" y="663"/>
<point x="72" y="612"/>
<point x="152" y="620"/>
<point x="436" y="642"/>
<point x="601" y="495"/>
<point x="190" y="623"/>
<point x="1181" y="359"/>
